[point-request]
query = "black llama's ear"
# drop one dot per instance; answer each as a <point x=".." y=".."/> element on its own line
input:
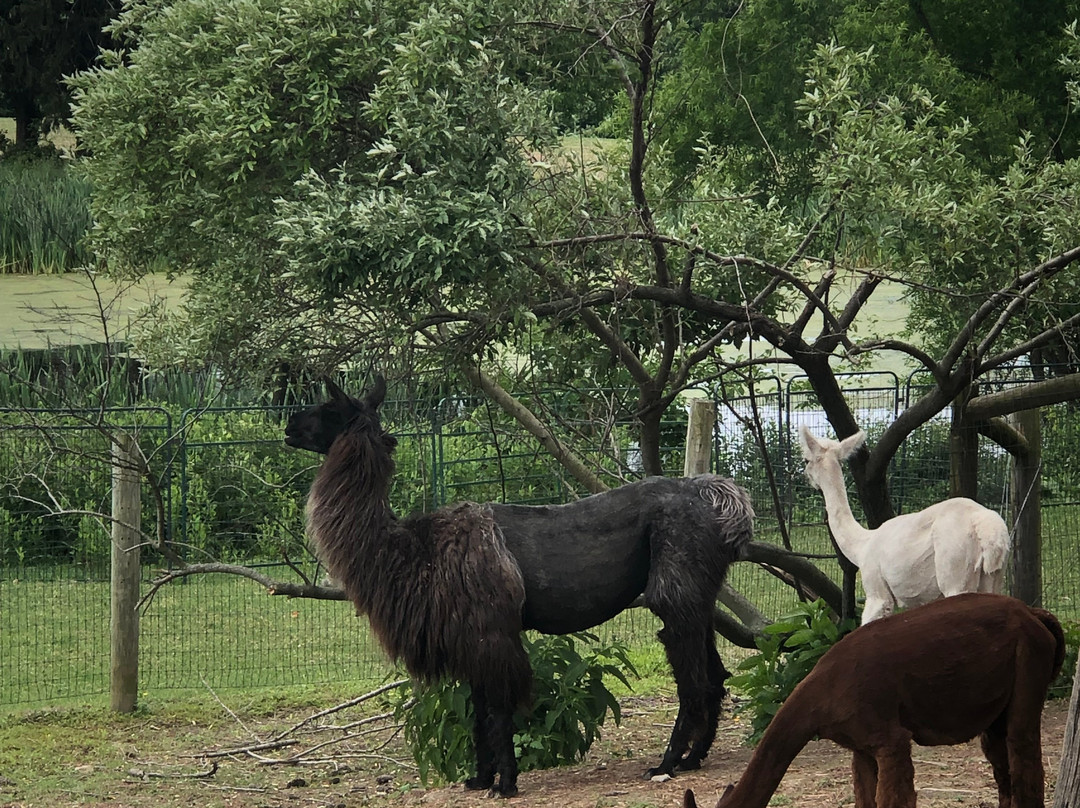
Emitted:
<point x="334" y="391"/>
<point x="378" y="392"/>
<point x="688" y="800"/>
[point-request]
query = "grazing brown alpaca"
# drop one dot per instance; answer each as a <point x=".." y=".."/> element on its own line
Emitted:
<point x="939" y="674"/>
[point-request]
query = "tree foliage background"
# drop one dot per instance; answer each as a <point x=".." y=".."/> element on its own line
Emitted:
<point x="403" y="184"/>
<point x="44" y="40"/>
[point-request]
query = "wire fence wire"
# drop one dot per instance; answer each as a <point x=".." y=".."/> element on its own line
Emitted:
<point x="221" y="485"/>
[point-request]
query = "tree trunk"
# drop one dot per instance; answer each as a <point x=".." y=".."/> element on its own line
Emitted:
<point x="649" y="437"/>
<point x="1067" y="790"/>
<point x="1026" y="561"/>
<point x="963" y="451"/>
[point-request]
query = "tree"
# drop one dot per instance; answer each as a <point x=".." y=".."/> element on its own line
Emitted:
<point x="339" y="195"/>
<point x="45" y="40"/>
<point x="997" y="65"/>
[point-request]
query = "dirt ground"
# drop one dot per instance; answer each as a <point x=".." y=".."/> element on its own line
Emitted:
<point x="158" y="764"/>
<point x="820" y="776"/>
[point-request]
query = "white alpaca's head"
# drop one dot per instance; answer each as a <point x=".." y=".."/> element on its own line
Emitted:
<point x="822" y="454"/>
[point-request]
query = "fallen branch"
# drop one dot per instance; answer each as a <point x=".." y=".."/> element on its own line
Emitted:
<point x="144" y="774"/>
<point x="341" y="734"/>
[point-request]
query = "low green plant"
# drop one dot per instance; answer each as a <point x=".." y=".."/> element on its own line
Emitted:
<point x="44" y="215"/>
<point x="787" y="651"/>
<point x="570" y="703"/>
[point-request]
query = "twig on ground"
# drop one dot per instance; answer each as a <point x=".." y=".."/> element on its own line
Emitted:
<point x="341" y="734"/>
<point x="145" y="774"/>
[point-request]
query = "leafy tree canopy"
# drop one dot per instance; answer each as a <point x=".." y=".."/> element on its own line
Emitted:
<point x="334" y="190"/>
<point x="44" y="40"/>
<point x="993" y="64"/>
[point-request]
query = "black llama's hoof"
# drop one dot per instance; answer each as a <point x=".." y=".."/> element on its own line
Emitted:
<point x="479" y="783"/>
<point x="503" y="791"/>
<point x="657" y="771"/>
<point x="688" y="765"/>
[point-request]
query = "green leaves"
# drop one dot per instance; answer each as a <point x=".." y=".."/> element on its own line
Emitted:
<point x="570" y="704"/>
<point x="787" y="651"/>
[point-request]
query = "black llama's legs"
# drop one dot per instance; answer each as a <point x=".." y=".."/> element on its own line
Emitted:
<point x="695" y="727"/>
<point x="485" y="757"/>
<point x="502" y="738"/>
<point x="493" y="736"/>
<point x="714" y="697"/>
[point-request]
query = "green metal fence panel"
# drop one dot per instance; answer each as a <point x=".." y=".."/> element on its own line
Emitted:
<point x="227" y="488"/>
<point x="54" y="544"/>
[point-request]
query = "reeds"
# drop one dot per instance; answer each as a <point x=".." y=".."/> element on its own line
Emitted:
<point x="44" y="216"/>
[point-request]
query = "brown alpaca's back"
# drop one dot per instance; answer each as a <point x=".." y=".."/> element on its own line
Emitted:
<point x="944" y="673"/>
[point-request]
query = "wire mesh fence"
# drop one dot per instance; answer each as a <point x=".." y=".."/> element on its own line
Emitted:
<point x="219" y="484"/>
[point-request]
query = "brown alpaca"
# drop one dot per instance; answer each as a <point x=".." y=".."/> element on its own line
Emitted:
<point x="939" y="674"/>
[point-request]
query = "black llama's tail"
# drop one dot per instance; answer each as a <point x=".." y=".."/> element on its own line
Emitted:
<point x="733" y="510"/>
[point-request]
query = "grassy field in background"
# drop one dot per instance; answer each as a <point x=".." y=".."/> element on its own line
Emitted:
<point x="41" y="310"/>
<point x="62" y="138"/>
<point x="222" y="632"/>
<point x="38" y="311"/>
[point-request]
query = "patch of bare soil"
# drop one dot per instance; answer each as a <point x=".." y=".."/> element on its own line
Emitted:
<point x="819" y="777"/>
<point x="161" y="768"/>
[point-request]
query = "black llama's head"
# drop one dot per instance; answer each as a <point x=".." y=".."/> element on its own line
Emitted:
<point x="316" y="428"/>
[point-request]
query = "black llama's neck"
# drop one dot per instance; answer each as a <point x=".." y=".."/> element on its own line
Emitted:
<point x="349" y="511"/>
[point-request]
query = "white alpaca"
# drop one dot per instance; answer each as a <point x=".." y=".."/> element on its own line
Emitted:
<point x="951" y="547"/>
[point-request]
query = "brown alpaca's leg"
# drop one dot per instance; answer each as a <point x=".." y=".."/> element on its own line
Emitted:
<point x="864" y="772"/>
<point x="896" y="776"/>
<point x="996" y="751"/>
<point x="1023" y="740"/>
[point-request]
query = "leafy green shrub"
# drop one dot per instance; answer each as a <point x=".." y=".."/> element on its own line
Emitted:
<point x="787" y="652"/>
<point x="570" y="704"/>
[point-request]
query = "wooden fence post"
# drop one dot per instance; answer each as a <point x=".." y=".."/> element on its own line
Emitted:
<point x="1067" y="790"/>
<point x="1026" y="561"/>
<point x="699" y="434"/>
<point x="124" y="624"/>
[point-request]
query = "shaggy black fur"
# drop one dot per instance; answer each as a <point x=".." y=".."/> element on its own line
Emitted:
<point x="448" y="593"/>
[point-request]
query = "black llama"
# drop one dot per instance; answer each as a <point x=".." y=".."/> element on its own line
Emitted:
<point x="448" y="593"/>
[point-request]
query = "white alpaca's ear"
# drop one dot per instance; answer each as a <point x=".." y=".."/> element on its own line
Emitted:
<point x="809" y="443"/>
<point x="850" y="445"/>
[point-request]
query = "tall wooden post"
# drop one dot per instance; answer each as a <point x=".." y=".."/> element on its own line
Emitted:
<point x="1026" y="562"/>
<point x="699" y="434"/>
<point x="124" y="625"/>
<point x="1067" y="790"/>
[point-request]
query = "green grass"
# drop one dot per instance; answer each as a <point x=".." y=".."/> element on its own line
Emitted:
<point x="38" y="311"/>
<point x="44" y="217"/>
<point x="221" y="632"/>
<point x="214" y="632"/>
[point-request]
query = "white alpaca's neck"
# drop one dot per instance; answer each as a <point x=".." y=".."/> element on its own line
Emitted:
<point x="850" y="535"/>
